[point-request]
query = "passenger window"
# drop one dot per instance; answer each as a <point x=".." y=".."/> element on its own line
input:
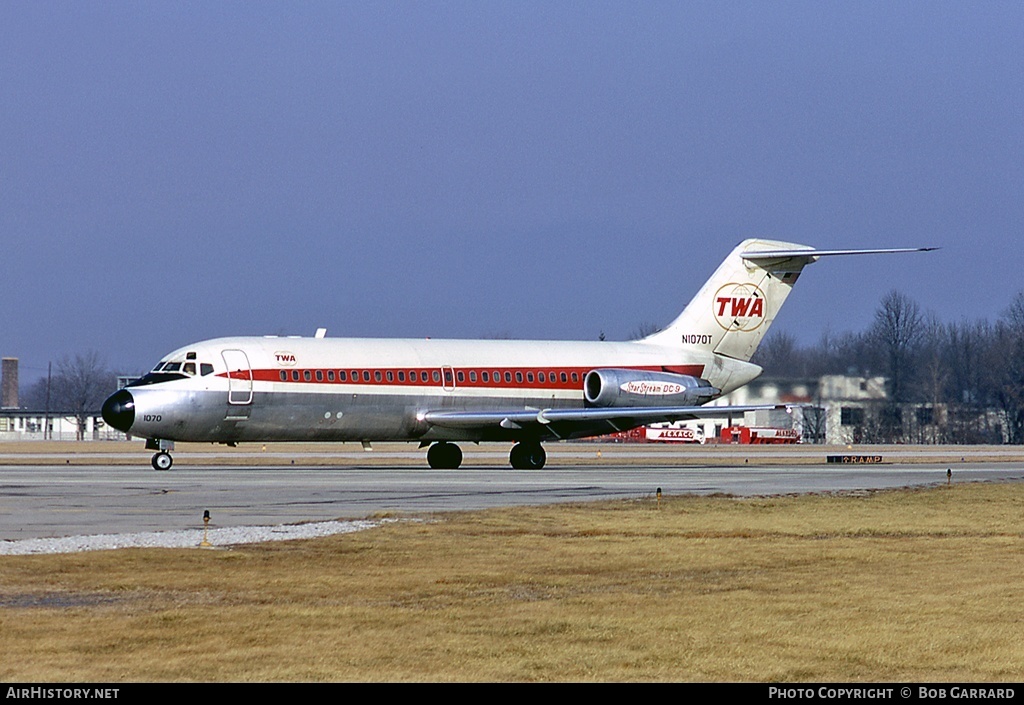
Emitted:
<point x="437" y="376"/>
<point x="376" y="376"/>
<point x="319" y="375"/>
<point x="508" y="376"/>
<point x="401" y="375"/>
<point x="461" y="376"/>
<point x="485" y="377"/>
<point x="284" y="376"/>
<point x="330" y="375"/>
<point x="342" y="375"/>
<point x="391" y="376"/>
<point x="306" y="375"/>
<point x="519" y="377"/>
<point x="472" y="376"/>
<point x="295" y="375"/>
<point x="366" y="375"/>
<point x="563" y="377"/>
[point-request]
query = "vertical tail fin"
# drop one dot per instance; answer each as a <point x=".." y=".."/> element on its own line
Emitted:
<point x="734" y="309"/>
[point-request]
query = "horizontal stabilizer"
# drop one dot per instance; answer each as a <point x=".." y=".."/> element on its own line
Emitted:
<point x="810" y="252"/>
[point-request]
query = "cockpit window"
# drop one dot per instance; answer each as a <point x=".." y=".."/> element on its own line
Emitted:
<point x="166" y="371"/>
<point x="156" y="378"/>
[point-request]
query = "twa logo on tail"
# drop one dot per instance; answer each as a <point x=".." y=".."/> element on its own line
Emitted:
<point x="739" y="307"/>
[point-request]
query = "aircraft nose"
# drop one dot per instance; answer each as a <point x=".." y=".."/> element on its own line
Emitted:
<point x="119" y="410"/>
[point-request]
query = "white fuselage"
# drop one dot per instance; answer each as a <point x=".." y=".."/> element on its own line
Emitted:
<point x="279" y="388"/>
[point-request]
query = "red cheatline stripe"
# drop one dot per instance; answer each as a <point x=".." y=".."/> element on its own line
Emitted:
<point x="471" y="377"/>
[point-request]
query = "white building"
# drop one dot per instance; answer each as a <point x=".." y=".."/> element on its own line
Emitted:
<point x="22" y="425"/>
<point x="833" y="409"/>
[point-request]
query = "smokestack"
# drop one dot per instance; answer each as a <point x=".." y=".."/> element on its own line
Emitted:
<point x="9" y="383"/>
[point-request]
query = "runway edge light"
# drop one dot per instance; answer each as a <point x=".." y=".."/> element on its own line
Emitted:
<point x="205" y="543"/>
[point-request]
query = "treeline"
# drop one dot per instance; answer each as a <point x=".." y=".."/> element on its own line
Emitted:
<point x="970" y="375"/>
<point x="78" y="386"/>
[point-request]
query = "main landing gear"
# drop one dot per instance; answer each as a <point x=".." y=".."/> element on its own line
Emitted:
<point x="444" y="456"/>
<point x="527" y="455"/>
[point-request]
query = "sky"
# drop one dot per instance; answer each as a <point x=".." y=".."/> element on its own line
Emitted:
<point x="171" y="172"/>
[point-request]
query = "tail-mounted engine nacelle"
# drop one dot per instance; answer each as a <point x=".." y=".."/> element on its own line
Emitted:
<point x="613" y="387"/>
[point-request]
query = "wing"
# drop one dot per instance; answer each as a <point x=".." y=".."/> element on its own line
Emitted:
<point x="579" y="423"/>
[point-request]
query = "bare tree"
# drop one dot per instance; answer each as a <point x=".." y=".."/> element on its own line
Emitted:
<point x="1007" y="358"/>
<point x="897" y="332"/>
<point x="81" y="384"/>
<point x="34" y="396"/>
<point x="778" y="355"/>
<point x="933" y="380"/>
<point x="1014" y="314"/>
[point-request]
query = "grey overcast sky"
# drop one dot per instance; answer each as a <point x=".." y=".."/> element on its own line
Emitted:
<point x="174" y="171"/>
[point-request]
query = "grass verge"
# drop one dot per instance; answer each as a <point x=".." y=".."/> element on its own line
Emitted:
<point x="911" y="585"/>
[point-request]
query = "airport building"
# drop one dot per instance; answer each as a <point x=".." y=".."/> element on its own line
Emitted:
<point x="24" y="425"/>
<point x="832" y="409"/>
<point x="18" y="424"/>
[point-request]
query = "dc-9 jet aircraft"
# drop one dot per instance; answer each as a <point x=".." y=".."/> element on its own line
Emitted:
<point x="231" y="390"/>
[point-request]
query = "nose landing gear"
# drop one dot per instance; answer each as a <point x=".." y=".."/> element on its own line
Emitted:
<point x="163" y="459"/>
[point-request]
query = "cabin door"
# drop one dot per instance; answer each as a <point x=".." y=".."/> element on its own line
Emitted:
<point x="239" y="376"/>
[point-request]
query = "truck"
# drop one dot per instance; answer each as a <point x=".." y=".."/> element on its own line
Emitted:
<point x="758" y="436"/>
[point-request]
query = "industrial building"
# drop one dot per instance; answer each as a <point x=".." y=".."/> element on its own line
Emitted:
<point x="18" y="424"/>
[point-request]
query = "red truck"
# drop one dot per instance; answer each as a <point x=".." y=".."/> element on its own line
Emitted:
<point x="758" y="436"/>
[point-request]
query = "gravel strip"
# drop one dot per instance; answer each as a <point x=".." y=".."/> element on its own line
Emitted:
<point x="186" y="538"/>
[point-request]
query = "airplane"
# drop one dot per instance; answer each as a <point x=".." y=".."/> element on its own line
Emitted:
<point x="440" y="392"/>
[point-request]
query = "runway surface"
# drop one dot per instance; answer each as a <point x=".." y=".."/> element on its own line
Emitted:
<point x="50" y="498"/>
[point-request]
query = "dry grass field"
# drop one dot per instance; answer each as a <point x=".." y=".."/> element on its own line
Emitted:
<point x="912" y="585"/>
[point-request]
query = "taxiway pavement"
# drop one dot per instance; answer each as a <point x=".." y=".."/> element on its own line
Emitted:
<point x="51" y="498"/>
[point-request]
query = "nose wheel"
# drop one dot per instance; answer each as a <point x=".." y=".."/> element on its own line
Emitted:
<point x="162" y="461"/>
